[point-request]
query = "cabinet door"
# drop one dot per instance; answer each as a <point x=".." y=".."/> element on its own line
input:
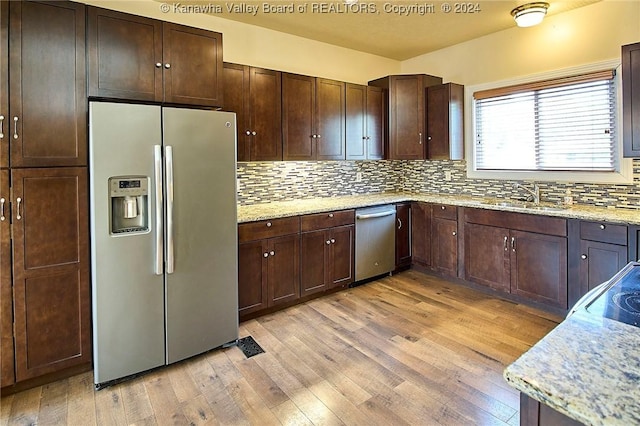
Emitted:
<point x="298" y="104"/>
<point x="236" y="99"/>
<point x="5" y="121"/>
<point x="341" y="258"/>
<point x="48" y="118"/>
<point x="330" y="119"/>
<point x="539" y="267"/>
<point x="444" y="121"/>
<point x="7" y="372"/>
<point x="421" y="234"/>
<point x="486" y="256"/>
<point x="252" y="276"/>
<point x="403" y="235"/>
<point x="125" y="56"/>
<point x="444" y="246"/>
<point x="599" y="262"/>
<point x="356" y="121"/>
<point x="406" y="110"/>
<point x="284" y="269"/>
<point x="265" y="109"/>
<point x="375" y="123"/>
<point x="631" y="99"/>
<point x="50" y="270"/>
<point x="192" y="60"/>
<point x="314" y="260"/>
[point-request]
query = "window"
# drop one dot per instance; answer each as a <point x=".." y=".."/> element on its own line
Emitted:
<point x="562" y="126"/>
<point x="565" y="124"/>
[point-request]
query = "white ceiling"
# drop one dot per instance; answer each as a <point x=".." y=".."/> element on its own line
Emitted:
<point x="378" y="29"/>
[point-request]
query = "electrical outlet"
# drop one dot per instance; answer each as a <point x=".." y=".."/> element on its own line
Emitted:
<point x="447" y="175"/>
<point x="358" y="176"/>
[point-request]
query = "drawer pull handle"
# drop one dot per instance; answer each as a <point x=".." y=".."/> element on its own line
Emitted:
<point x="1" y="126"/>
<point x="399" y="224"/>
<point x="583" y="257"/>
<point x="2" y="218"/>
<point x="602" y="226"/>
<point x="505" y="243"/>
<point x="268" y="224"/>
<point x="15" y="127"/>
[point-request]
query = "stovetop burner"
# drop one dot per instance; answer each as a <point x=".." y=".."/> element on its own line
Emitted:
<point x="621" y="300"/>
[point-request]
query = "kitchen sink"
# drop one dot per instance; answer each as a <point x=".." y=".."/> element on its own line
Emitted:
<point x="548" y="208"/>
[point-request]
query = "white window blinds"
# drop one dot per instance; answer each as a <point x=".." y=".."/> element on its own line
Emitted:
<point x="561" y="125"/>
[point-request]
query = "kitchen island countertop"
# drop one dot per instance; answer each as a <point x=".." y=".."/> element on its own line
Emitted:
<point x="276" y="209"/>
<point x="587" y="368"/>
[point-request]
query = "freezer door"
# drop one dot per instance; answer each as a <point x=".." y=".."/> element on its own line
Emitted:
<point x="202" y="288"/>
<point x="128" y="296"/>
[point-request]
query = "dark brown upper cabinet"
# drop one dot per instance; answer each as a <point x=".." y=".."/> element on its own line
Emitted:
<point x="136" y="58"/>
<point x="445" y="118"/>
<point x="631" y="99"/>
<point x="255" y="95"/>
<point x="313" y="118"/>
<point x="405" y="133"/>
<point x="364" y="122"/>
<point x="44" y="116"/>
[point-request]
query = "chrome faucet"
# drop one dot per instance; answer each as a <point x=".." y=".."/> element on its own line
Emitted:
<point x="534" y="195"/>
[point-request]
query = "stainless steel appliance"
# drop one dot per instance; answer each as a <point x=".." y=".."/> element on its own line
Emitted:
<point x="163" y="235"/>
<point x="375" y="241"/>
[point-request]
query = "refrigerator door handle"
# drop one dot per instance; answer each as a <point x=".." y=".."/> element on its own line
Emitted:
<point x="169" y="191"/>
<point x="157" y="178"/>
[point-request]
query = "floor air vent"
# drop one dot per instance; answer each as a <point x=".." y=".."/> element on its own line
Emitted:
<point x="249" y="347"/>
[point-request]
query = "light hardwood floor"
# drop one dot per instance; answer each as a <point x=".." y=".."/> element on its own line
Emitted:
<point x="408" y="349"/>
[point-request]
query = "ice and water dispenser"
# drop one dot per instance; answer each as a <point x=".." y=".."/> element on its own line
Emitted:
<point x="129" y="205"/>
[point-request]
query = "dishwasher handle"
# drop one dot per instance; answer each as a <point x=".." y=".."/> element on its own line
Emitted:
<point x="375" y="215"/>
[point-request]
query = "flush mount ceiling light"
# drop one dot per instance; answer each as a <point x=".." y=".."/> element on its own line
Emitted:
<point x="530" y="14"/>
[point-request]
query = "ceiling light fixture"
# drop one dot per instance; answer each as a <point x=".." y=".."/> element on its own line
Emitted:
<point x="530" y="14"/>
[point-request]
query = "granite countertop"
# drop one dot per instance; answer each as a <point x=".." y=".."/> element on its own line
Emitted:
<point x="587" y="368"/>
<point x="251" y="213"/>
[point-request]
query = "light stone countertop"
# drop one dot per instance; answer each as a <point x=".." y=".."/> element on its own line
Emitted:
<point x="587" y="368"/>
<point x="255" y="212"/>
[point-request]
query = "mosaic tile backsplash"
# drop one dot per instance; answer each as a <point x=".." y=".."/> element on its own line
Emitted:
<point x="261" y="182"/>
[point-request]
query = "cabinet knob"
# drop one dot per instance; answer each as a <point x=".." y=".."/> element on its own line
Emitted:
<point x="454" y="233"/>
<point x="583" y="257"/>
<point x="272" y="253"/>
<point x="268" y="224"/>
<point x="364" y="138"/>
<point x="266" y="254"/>
<point x="167" y="65"/>
<point x="314" y="136"/>
<point x="318" y="136"/>
<point x="368" y="137"/>
<point x="330" y="214"/>
<point x="248" y="133"/>
<point x="428" y="138"/>
<point x="253" y="133"/>
<point x="443" y="207"/>
<point x="602" y="226"/>
<point x="333" y="241"/>
<point x="158" y="65"/>
<point x="328" y="242"/>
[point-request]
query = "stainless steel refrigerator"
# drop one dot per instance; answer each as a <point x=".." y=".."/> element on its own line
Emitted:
<point x="163" y="235"/>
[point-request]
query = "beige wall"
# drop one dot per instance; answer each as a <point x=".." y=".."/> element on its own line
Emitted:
<point x="251" y="45"/>
<point x="586" y="35"/>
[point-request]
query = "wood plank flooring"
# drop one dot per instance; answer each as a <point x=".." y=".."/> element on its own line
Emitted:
<point x="409" y="349"/>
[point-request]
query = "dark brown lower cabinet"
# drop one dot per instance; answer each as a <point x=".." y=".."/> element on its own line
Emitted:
<point x="444" y="240"/>
<point x="403" y="235"/>
<point x="7" y="368"/>
<point x="521" y="254"/>
<point x="327" y="259"/>
<point x="50" y="270"/>
<point x="268" y="273"/>
<point x="534" y="413"/>
<point x="421" y="234"/>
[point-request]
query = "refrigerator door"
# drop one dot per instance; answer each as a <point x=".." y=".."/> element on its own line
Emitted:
<point x="202" y="290"/>
<point x="128" y="296"/>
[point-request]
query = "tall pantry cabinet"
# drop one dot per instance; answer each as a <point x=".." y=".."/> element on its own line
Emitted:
<point x="44" y="201"/>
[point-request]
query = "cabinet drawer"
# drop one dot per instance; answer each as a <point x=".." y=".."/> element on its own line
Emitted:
<point x="268" y="228"/>
<point x="603" y="232"/>
<point x="317" y="221"/>
<point x="443" y="211"/>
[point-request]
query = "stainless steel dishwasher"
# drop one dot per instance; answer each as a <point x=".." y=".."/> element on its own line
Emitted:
<point x="375" y="241"/>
